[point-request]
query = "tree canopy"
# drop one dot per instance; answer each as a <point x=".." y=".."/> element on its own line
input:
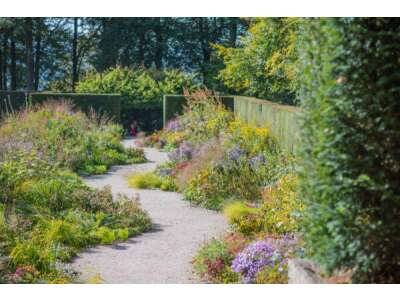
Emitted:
<point x="36" y="52"/>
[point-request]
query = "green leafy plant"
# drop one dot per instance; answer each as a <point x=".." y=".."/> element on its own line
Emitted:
<point x="350" y="163"/>
<point x="150" y="180"/>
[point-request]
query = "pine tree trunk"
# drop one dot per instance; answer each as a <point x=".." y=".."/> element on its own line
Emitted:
<point x="159" y="45"/>
<point x="2" y="61"/>
<point x="29" y="54"/>
<point x="13" y="66"/>
<point x="75" y="55"/>
<point x="38" y="55"/>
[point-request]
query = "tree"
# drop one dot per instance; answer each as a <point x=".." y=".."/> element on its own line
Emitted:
<point x="264" y="63"/>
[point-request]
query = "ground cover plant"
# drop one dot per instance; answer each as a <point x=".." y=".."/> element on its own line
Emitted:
<point x="47" y="213"/>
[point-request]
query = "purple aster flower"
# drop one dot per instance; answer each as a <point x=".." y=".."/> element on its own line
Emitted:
<point x="236" y="153"/>
<point x="184" y="152"/>
<point x="255" y="257"/>
<point x="173" y="125"/>
<point x="257" y="161"/>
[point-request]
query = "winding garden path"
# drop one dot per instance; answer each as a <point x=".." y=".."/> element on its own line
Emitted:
<point x="162" y="255"/>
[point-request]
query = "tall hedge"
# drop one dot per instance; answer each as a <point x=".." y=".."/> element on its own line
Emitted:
<point x="351" y="145"/>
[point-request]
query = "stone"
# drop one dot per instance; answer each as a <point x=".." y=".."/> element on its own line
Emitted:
<point x="302" y="271"/>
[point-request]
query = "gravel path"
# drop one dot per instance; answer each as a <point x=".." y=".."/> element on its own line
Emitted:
<point x="162" y="255"/>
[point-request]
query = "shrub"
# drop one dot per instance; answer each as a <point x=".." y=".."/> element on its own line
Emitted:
<point x="105" y="235"/>
<point x="150" y="180"/>
<point x="213" y="260"/>
<point x="281" y="210"/>
<point x="147" y="180"/>
<point x="351" y="164"/>
<point x="243" y="218"/>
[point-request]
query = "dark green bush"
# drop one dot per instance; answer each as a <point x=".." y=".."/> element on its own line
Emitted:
<point x="351" y="145"/>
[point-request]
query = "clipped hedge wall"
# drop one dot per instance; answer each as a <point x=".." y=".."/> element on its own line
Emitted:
<point x="350" y="153"/>
<point x="101" y="103"/>
<point x="173" y="105"/>
<point x="281" y="120"/>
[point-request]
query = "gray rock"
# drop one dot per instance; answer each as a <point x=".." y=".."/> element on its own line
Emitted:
<point x="302" y="271"/>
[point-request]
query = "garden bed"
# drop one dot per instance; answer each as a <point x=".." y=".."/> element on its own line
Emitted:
<point x="47" y="213"/>
<point x="221" y="163"/>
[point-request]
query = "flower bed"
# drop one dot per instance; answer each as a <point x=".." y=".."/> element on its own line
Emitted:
<point x="47" y="213"/>
<point x="219" y="162"/>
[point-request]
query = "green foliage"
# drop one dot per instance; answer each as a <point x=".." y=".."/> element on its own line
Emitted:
<point x="150" y="180"/>
<point x="279" y="213"/>
<point x="350" y="164"/>
<point x="265" y="63"/>
<point x="281" y="210"/>
<point x="144" y="181"/>
<point x="141" y="89"/>
<point x="243" y="218"/>
<point x="105" y="235"/>
<point x="212" y="262"/>
<point x="272" y="275"/>
<point x="236" y="210"/>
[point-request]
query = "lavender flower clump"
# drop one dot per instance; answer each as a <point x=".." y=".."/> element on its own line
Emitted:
<point x="254" y="258"/>
<point x="236" y="153"/>
<point x="257" y="161"/>
<point x="173" y="125"/>
<point x="184" y="152"/>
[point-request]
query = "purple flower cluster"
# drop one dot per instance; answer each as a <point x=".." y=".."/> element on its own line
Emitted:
<point x="236" y="153"/>
<point x="184" y="152"/>
<point x="254" y="258"/>
<point x="257" y="161"/>
<point x="173" y="125"/>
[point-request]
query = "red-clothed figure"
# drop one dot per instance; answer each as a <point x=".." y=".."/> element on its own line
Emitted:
<point x="134" y="129"/>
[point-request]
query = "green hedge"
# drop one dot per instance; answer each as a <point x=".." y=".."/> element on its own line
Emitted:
<point x="109" y="104"/>
<point x="350" y="153"/>
<point x="281" y="120"/>
<point x="173" y="105"/>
